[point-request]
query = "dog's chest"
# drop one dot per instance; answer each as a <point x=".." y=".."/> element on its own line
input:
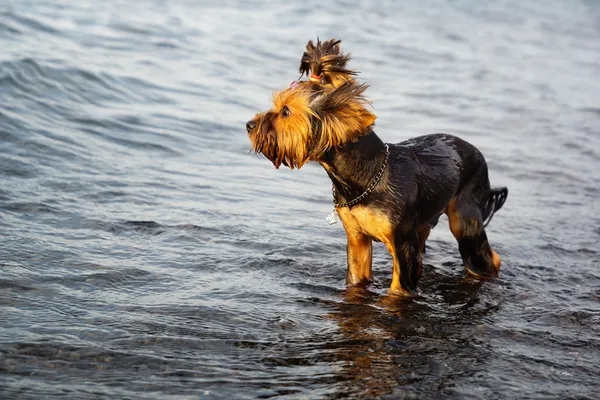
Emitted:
<point x="364" y="220"/>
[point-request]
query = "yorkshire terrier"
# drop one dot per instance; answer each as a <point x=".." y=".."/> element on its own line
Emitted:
<point x="392" y="193"/>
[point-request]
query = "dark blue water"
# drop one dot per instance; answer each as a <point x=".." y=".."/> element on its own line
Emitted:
<point x="144" y="253"/>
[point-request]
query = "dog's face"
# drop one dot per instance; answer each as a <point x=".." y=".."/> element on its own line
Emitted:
<point x="308" y="120"/>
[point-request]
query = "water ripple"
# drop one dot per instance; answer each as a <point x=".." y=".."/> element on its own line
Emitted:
<point x="146" y="254"/>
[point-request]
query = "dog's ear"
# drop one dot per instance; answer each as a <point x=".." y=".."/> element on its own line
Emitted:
<point x="326" y="62"/>
<point x="342" y="115"/>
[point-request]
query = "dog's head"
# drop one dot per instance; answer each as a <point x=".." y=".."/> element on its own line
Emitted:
<point x="312" y="117"/>
<point x="307" y="121"/>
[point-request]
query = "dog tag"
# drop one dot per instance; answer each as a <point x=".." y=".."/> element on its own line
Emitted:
<point x="331" y="218"/>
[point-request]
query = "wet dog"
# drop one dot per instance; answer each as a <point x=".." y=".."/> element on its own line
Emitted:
<point x="393" y="193"/>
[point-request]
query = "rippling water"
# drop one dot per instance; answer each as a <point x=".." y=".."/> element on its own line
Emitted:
<point x="145" y="254"/>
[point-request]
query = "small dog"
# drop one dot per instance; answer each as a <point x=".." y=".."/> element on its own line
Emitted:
<point x="393" y="193"/>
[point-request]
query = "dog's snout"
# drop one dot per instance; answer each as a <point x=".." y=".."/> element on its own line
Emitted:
<point x="250" y="125"/>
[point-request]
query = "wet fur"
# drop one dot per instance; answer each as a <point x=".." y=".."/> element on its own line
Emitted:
<point x="328" y="122"/>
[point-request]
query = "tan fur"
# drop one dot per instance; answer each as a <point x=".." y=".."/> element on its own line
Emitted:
<point x="343" y="126"/>
<point x="461" y="226"/>
<point x="293" y="132"/>
<point x="290" y="139"/>
<point x="360" y="258"/>
<point x="364" y="221"/>
<point x="455" y="220"/>
<point x="367" y="221"/>
<point x="496" y="261"/>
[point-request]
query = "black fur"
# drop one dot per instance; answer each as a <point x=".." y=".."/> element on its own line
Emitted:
<point x="424" y="175"/>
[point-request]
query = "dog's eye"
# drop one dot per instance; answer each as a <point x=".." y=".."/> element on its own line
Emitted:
<point x="285" y="112"/>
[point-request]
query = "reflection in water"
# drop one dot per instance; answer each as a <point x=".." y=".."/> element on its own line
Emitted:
<point x="394" y="346"/>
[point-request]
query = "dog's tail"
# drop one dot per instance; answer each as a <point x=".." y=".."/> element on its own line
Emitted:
<point x="494" y="202"/>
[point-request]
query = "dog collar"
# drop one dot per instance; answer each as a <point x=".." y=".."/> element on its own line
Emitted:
<point x="370" y="188"/>
<point x="332" y="218"/>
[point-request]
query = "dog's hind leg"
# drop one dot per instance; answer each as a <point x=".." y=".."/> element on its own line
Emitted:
<point x="466" y="225"/>
<point x="423" y="233"/>
<point x="360" y="258"/>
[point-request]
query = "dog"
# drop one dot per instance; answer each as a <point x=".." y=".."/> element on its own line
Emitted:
<point x="391" y="193"/>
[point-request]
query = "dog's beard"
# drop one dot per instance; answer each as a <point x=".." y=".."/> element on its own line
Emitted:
<point x="272" y="153"/>
<point x="265" y="142"/>
<point x="291" y="147"/>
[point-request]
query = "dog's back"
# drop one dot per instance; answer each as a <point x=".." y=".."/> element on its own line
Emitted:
<point x="434" y="169"/>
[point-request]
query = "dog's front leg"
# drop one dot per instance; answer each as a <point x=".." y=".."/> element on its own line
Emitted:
<point x="405" y="251"/>
<point x="360" y="258"/>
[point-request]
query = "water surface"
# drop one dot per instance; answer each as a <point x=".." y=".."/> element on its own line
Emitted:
<point x="145" y="254"/>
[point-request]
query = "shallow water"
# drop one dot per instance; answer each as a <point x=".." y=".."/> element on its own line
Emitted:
<point x="145" y="254"/>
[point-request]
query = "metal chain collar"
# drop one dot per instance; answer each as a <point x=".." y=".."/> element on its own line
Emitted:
<point x="370" y="188"/>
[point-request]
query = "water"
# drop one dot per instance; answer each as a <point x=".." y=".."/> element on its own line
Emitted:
<point x="145" y="254"/>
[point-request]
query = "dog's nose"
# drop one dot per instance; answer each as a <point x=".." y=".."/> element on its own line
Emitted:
<point x="250" y="125"/>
